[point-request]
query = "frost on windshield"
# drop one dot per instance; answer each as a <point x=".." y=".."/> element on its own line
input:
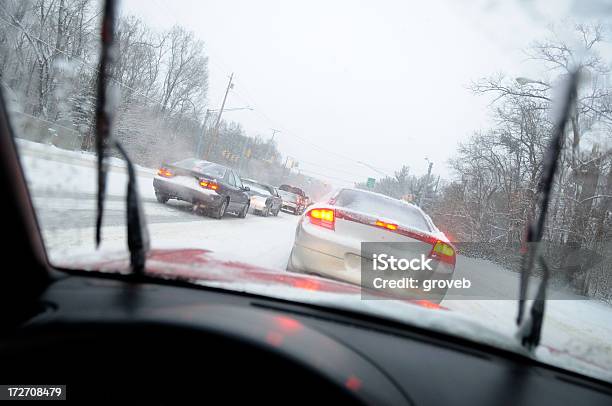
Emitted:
<point x="452" y="131"/>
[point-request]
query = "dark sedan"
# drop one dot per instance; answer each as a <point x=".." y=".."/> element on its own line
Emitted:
<point x="212" y="188"/>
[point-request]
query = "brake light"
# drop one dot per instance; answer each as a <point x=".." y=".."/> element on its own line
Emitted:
<point x="322" y="217"/>
<point x="388" y="226"/>
<point x="444" y="252"/>
<point x="165" y="173"/>
<point x="209" y="184"/>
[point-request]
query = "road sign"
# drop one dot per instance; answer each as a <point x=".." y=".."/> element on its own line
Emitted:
<point x="371" y="182"/>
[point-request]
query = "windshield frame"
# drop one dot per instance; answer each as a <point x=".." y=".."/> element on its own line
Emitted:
<point x="427" y="220"/>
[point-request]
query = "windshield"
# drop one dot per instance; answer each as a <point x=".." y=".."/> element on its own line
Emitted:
<point x="203" y="167"/>
<point x="442" y="124"/>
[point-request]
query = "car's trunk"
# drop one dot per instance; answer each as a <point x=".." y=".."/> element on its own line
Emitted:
<point x="361" y="227"/>
<point x="178" y="171"/>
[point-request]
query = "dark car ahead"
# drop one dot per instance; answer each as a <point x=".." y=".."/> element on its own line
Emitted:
<point x="264" y="198"/>
<point x="212" y="188"/>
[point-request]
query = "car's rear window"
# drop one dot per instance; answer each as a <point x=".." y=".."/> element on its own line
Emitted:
<point x="383" y="207"/>
<point x="203" y="167"/>
<point x="256" y="187"/>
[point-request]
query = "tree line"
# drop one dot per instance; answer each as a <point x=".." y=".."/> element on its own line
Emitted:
<point x="493" y="193"/>
<point x="48" y="63"/>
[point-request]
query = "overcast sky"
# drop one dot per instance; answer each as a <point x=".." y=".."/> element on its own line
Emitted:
<point x="383" y="82"/>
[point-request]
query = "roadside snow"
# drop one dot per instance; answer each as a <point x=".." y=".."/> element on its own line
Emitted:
<point x="59" y="172"/>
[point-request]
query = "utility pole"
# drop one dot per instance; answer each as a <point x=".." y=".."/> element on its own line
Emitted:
<point x="244" y="159"/>
<point x="215" y="132"/>
<point x="286" y="171"/>
<point x="424" y="188"/>
<point x="200" y="146"/>
<point x="274" y="131"/>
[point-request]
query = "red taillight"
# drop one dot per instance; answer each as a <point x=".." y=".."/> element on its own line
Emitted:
<point x="165" y="173"/>
<point x="322" y="217"/>
<point x="388" y="226"/>
<point x="209" y="184"/>
<point x="443" y="252"/>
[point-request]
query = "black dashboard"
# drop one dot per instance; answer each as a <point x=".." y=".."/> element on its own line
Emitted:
<point x="106" y="338"/>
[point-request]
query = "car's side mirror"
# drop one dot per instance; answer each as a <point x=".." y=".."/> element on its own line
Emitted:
<point x="246" y="188"/>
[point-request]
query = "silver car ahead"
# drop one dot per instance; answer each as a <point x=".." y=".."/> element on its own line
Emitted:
<point x="329" y="235"/>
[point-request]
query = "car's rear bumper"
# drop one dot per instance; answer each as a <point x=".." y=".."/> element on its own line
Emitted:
<point x="203" y="197"/>
<point x="289" y="207"/>
<point x="305" y="259"/>
<point x="258" y="205"/>
<point x="319" y="251"/>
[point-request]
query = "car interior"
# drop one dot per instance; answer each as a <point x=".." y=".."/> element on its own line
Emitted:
<point x="110" y="336"/>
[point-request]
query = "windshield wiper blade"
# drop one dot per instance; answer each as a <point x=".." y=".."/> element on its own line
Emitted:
<point x="137" y="233"/>
<point x="530" y="326"/>
<point x="103" y="116"/>
<point x="529" y="332"/>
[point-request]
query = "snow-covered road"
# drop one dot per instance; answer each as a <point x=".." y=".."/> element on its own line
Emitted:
<point x="261" y="241"/>
<point x="63" y="186"/>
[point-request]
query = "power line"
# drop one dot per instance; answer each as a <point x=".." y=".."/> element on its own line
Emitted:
<point x="259" y="111"/>
<point x="301" y="161"/>
<point x="291" y="133"/>
<point x="352" y="182"/>
<point x="218" y="61"/>
<point x="249" y="99"/>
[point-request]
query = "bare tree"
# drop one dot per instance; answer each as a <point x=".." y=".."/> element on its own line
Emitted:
<point x="185" y="76"/>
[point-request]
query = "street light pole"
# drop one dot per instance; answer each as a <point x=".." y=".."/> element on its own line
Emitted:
<point x="216" y="128"/>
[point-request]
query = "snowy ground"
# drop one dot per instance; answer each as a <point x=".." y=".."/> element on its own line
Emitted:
<point x="63" y="188"/>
